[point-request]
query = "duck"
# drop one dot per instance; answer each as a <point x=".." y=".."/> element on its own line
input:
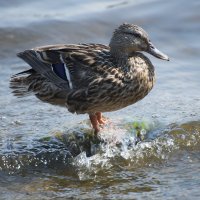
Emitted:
<point x="91" y="78"/>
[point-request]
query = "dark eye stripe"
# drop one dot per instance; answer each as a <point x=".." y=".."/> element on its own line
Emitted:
<point x="135" y="34"/>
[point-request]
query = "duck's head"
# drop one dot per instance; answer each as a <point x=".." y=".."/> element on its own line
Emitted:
<point x="129" y="38"/>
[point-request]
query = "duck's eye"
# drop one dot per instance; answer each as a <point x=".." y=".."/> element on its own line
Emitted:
<point x="137" y="35"/>
<point x="134" y="34"/>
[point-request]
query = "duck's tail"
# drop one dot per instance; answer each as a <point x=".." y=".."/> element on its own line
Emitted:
<point x="19" y="83"/>
<point x="39" y="80"/>
<point x="30" y="82"/>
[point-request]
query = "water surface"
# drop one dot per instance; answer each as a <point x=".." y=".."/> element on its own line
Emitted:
<point x="36" y="164"/>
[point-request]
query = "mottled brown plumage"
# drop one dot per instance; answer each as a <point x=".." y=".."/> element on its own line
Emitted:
<point x="91" y="78"/>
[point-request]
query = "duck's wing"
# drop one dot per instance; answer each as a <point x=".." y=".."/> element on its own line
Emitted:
<point x="64" y="65"/>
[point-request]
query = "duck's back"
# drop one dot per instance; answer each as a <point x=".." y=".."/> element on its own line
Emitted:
<point x="59" y="70"/>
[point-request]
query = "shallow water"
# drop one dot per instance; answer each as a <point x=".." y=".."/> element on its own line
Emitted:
<point x="36" y="162"/>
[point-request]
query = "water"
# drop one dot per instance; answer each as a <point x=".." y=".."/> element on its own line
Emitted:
<point x="37" y="161"/>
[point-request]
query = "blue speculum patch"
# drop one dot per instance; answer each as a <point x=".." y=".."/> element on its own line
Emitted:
<point x="59" y="70"/>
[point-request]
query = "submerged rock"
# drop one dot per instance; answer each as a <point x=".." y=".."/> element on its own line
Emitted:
<point x="83" y="139"/>
<point x="58" y="149"/>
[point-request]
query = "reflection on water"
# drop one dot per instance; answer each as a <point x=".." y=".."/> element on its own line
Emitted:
<point x="46" y="152"/>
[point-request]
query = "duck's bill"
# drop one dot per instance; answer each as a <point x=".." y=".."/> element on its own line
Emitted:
<point x="155" y="52"/>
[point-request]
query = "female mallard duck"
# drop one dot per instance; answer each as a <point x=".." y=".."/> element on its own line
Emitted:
<point x="91" y="78"/>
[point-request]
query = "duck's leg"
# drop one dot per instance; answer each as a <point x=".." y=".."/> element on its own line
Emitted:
<point x="94" y="122"/>
<point x="100" y="118"/>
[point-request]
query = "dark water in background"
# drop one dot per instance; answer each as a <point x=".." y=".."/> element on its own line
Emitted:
<point x="164" y="166"/>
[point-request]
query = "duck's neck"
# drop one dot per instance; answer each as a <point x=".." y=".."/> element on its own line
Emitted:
<point x="120" y="55"/>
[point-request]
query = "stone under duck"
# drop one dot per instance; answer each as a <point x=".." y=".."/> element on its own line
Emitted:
<point x="91" y="78"/>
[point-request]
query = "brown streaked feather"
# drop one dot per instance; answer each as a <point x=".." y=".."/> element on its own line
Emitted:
<point x="42" y="68"/>
<point x="99" y="84"/>
<point x="28" y="82"/>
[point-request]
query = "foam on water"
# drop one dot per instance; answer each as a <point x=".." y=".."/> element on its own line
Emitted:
<point x="117" y="147"/>
<point x="120" y="150"/>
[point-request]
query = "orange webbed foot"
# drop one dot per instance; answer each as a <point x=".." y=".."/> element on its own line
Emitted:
<point x="100" y="118"/>
<point x="96" y="120"/>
